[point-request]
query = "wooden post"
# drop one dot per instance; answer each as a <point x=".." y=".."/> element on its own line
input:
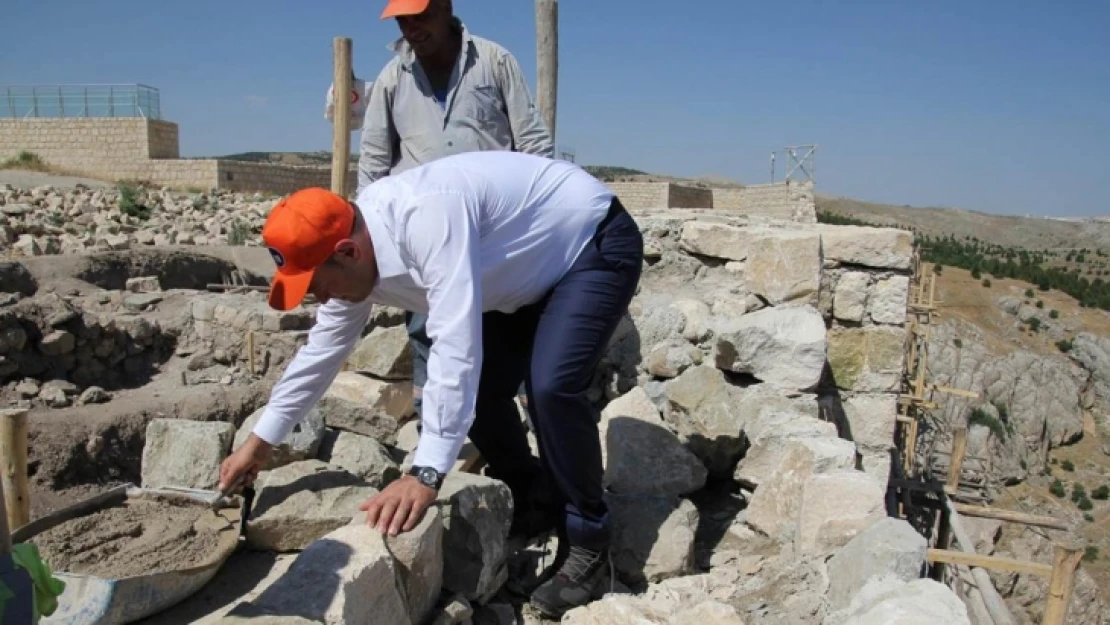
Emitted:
<point x="250" y="350"/>
<point x="341" y="125"/>
<point x="5" y="530"/>
<point x="547" y="60"/>
<point x="955" y="463"/>
<point x="13" y="455"/>
<point x="991" y="599"/>
<point x="1061" y="584"/>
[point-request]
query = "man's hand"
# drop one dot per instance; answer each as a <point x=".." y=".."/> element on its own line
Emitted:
<point x="399" y="507"/>
<point x="246" y="462"/>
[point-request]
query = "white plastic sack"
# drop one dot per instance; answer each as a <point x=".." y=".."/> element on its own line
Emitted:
<point x="360" y="95"/>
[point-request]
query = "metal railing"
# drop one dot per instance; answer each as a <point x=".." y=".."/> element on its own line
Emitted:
<point x="33" y="101"/>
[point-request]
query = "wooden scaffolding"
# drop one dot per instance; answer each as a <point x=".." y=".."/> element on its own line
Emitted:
<point x="934" y="504"/>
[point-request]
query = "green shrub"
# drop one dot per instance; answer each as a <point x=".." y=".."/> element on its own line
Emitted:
<point x="1053" y="314"/>
<point x="983" y="418"/>
<point x="1084" y="504"/>
<point x="1064" y="345"/>
<point x="1040" y="304"/>
<point x="1102" y="493"/>
<point x="1057" y="489"/>
<point x="958" y="343"/>
<point x="1090" y="554"/>
<point x="1067" y="465"/>
<point x="1078" y="492"/>
<point x="25" y="160"/>
<point x="986" y="283"/>
<point x="129" y="203"/>
<point x="1028" y="292"/>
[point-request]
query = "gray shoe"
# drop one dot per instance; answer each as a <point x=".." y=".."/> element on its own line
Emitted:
<point x="573" y="584"/>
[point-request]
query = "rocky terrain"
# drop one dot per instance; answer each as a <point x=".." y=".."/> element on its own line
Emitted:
<point x="758" y="370"/>
<point x="1040" y="364"/>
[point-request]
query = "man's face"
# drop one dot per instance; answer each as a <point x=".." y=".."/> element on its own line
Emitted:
<point x="345" y="277"/>
<point x="427" y="32"/>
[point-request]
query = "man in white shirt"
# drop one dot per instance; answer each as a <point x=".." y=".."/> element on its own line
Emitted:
<point x="524" y="266"/>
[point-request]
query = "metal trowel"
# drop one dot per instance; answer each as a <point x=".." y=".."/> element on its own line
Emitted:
<point x="210" y="498"/>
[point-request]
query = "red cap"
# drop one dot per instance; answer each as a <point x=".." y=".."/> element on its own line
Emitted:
<point x="404" y="7"/>
<point x="301" y="233"/>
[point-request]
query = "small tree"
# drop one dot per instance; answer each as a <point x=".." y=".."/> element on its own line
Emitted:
<point x="1053" y="314"/>
<point x="987" y="282"/>
<point x="1067" y="465"/>
<point x="1028" y="292"/>
<point x="1102" y="493"/>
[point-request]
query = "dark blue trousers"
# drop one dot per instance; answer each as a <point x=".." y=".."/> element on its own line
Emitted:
<point x="554" y="347"/>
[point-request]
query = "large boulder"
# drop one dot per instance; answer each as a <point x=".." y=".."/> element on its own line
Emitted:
<point x="783" y="346"/>
<point x="300" y="502"/>
<point x="477" y="513"/>
<point x="368" y="406"/>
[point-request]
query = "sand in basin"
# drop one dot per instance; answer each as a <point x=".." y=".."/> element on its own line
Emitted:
<point x="134" y="538"/>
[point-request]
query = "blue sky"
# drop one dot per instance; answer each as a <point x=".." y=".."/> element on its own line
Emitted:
<point x="988" y="105"/>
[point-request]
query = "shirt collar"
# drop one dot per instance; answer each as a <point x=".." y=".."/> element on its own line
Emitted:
<point x="401" y="48"/>
<point x="386" y="254"/>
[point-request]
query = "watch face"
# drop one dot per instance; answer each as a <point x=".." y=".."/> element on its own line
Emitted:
<point x="428" y="476"/>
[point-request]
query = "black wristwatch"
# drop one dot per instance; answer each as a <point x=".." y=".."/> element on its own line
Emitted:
<point x="428" y="476"/>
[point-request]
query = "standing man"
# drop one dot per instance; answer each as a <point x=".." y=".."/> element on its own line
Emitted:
<point x="445" y="92"/>
<point x="524" y="266"/>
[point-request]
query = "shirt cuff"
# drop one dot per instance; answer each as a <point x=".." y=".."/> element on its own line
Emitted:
<point x="271" y="428"/>
<point x="437" y="452"/>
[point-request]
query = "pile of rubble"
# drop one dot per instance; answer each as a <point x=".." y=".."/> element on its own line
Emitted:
<point x="748" y="412"/>
<point x="48" y="220"/>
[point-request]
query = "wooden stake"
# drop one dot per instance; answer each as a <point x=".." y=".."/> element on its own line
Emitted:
<point x="1061" y="584"/>
<point x="341" y="128"/>
<point x="993" y="601"/>
<point x="5" y="531"/>
<point x="13" y="454"/>
<point x="547" y="60"/>
<point x="250" y="351"/>
<point x="955" y="463"/>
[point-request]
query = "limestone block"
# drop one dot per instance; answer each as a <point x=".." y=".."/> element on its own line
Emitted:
<point x="698" y="325"/>
<point x="867" y="359"/>
<point x="707" y="613"/>
<point x="671" y="357"/>
<point x="145" y="284"/>
<point x="890" y="547"/>
<point x="632" y="430"/>
<point x="770" y="433"/>
<point x="653" y="537"/>
<point x="784" y="266"/>
<point x="704" y="412"/>
<point x="836" y="506"/>
<point x="179" y="452"/>
<point x="889" y="299"/>
<point x="868" y="420"/>
<point x="364" y="405"/>
<point x="348" y="577"/>
<point x="301" y="443"/>
<point x="301" y="502"/>
<point x="362" y="456"/>
<point x="850" y="296"/>
<point x="418" y="557"/>
<point x="384" y="353"/>
<point x="715" y="240"/>
<point x="880" y="248"/>
<point x="773" y="508"/>
<point x="783" y="346"/>
<point x="889" y="600"/>
<point x="477" y="512"/>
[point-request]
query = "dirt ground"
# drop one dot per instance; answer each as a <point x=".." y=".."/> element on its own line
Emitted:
<point x="30" y="179"/>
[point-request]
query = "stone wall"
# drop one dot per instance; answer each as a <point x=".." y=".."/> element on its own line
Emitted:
<point x="97" y="146"/>
<point x="790" y="201"/>
<point x="640" y="195"/>
<point x="760" y="282"/>
<point x="243" y="176"/>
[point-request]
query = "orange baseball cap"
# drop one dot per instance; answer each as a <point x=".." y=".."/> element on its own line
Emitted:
<point x="301" y="233"/>
<point x="404" y="7"/>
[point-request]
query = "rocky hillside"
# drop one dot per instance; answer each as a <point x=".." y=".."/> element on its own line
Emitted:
<point x="1040" y="432"/>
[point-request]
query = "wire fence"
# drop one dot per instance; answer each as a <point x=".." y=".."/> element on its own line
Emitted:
<point x="36" y="101"/>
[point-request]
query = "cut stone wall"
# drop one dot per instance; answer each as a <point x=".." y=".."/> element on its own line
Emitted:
<point x="789" y="201"/>
<point x="100" y="146"/>
<point x="643" y="195"/>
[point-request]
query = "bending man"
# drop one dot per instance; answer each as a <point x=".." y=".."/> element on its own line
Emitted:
<point x="524" y="266"/>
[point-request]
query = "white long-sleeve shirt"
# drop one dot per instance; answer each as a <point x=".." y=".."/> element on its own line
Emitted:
<point x="454" y="238"/>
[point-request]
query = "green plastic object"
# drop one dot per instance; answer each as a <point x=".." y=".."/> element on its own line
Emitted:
<point x="47" y="587"/>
